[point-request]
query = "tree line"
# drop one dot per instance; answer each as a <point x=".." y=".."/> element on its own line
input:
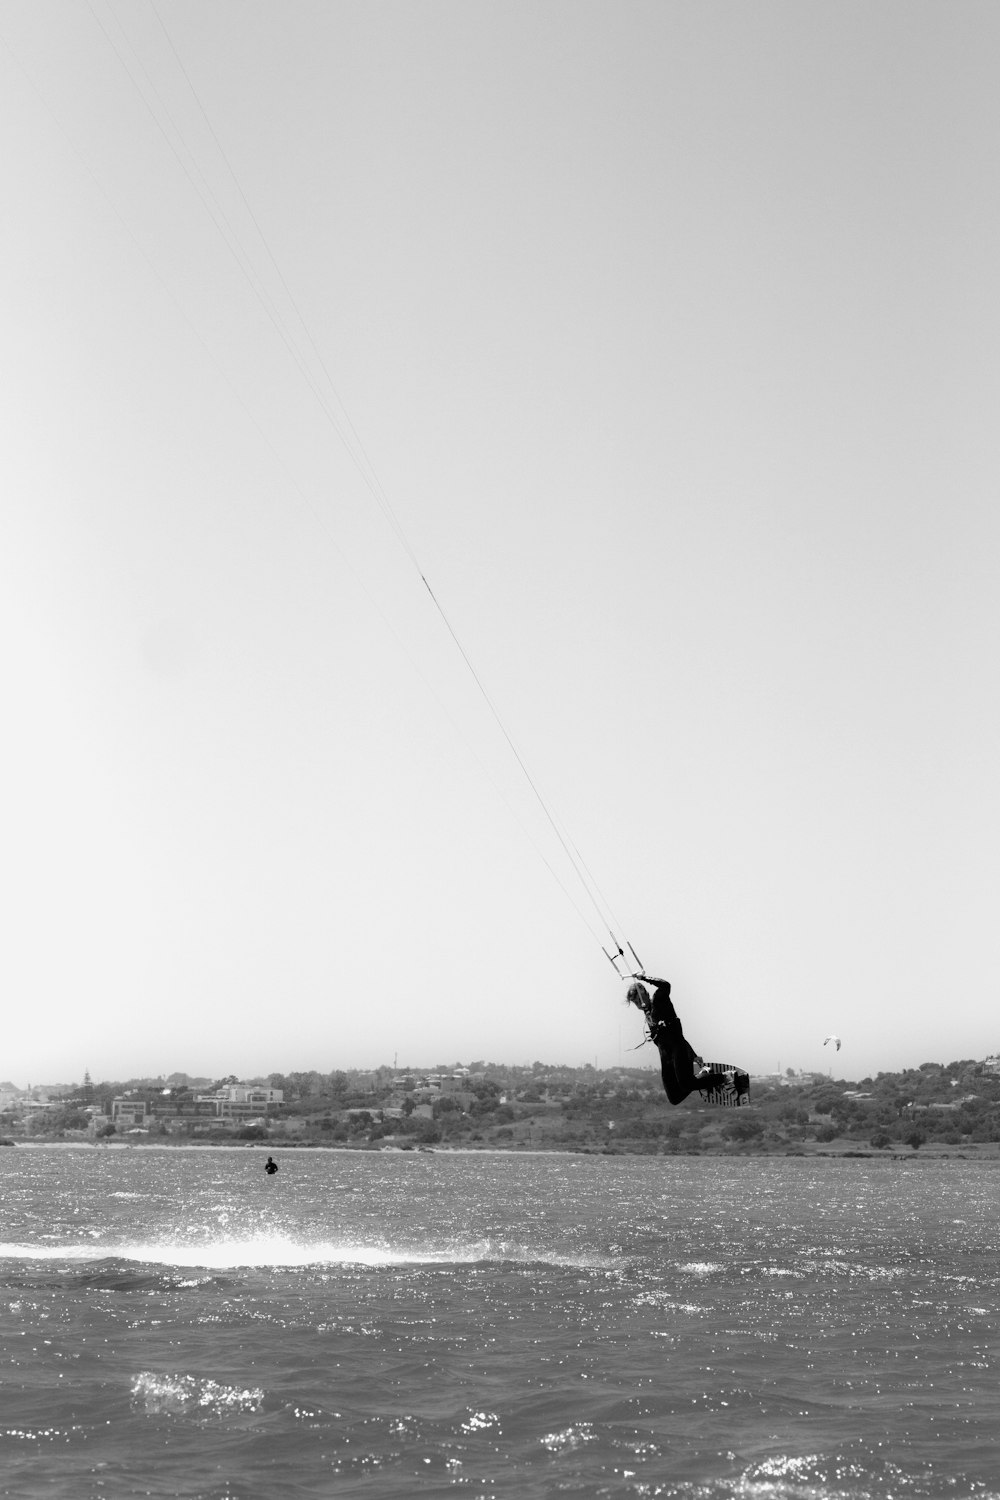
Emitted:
<point x="556" y="1107"/>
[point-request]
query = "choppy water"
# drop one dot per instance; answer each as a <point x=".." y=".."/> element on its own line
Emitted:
<point x="177" y="1324"/>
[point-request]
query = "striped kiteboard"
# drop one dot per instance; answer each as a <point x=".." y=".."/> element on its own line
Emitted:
<point x="728" y="1087"/>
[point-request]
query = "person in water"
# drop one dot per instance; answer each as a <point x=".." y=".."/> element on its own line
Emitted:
<point x="270" y="1166"/>
<point x="682" y="1070"/>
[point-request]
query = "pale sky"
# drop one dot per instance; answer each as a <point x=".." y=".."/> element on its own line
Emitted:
<point x="670" y="332"/>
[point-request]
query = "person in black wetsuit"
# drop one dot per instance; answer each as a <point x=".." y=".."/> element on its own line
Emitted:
<point x="681" y="1069"/>
<point x="270" y="1166"/>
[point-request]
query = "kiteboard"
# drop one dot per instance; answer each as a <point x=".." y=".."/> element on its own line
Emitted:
<point x="727" y="1086"/>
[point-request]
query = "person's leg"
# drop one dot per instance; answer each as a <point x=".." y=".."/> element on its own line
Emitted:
<point x="677" y="1057"/>
<point x="679" y="1063"/>
<point x="674" y="1085"/>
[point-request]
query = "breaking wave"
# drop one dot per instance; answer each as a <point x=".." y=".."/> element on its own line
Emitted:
<point x="188" y="1394"/>
<point x="260" y="1251"/>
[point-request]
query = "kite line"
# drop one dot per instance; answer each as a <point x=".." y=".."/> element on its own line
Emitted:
<point x="307" y="358"/>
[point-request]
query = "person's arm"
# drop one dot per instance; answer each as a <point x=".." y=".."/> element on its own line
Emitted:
<point x="650" y="980"/>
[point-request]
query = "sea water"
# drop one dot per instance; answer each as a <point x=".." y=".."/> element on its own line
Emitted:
<point x="177" y="1323"/>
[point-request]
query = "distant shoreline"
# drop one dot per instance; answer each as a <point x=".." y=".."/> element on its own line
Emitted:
<point x="847" y="1150"/>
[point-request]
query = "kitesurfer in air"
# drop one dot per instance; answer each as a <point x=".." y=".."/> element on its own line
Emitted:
<point x="682" y="1070"/>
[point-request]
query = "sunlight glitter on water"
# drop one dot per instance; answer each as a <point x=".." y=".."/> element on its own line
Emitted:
<point x="153" y="1393"/>
<point x="534" y="1330"/>
<point x="229" y="1254"/>
<point x="275" y="1250"/>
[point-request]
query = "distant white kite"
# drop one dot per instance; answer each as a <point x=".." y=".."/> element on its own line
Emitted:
<point x="833" y="1039"/>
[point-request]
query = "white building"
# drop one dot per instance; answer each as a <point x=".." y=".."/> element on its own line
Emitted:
<point x="129" y="1111"/>
<point x="241" y="1099"/>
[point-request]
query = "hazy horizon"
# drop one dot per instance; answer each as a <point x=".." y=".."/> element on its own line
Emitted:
<point x="262" y="1075"/>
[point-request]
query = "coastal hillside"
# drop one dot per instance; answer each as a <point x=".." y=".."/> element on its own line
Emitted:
<point x="952" y="1107"/>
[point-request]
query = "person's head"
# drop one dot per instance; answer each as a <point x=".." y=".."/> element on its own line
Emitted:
<point x="637" y="995"/>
